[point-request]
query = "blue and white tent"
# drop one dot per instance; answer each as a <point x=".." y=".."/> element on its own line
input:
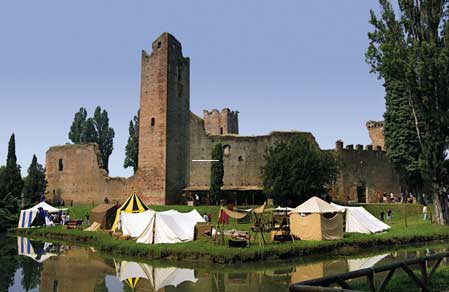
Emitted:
<point x="27" y="216"/>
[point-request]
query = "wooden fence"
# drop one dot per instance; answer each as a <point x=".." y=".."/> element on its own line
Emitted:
<point x="421" y="279"/>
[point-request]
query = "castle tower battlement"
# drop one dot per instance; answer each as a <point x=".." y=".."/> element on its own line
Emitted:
<point x="376" y="133"/>
<point x="221" y="123"/>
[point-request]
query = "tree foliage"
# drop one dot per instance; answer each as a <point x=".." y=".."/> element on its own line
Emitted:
<point x="132" y="148"/>
<point x="296" y="170"/>
<point x="216" y="173"/>
<point x="34" y="183"/>
<point x="410" y="51"/>
<point x="10" y="188"/>
<point x="94" y="130"/>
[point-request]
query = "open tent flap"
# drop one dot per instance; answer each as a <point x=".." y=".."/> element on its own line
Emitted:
<point x="134" y="225"/>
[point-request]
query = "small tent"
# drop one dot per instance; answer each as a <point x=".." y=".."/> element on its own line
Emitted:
<point x="132" y="273"/>
<point x="104" y="214"/>
<point x="27" y="216"/>
<point x="133" y="204"/>
<point x="170" y="227"/>
<point x="359" y="220"/>
<point x="316" y="220"/>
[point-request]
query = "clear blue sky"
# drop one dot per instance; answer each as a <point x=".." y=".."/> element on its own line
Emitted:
<point x="285" y="65"/>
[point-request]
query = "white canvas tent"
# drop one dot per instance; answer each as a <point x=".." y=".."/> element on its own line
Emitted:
<point x="25" y="248"/>
<point x="315" y="205"/>
<point x="160" y="227"/>
<point x="359" y="220"/>
<point x="132" y="272"/>
<point x="27" y="216"/>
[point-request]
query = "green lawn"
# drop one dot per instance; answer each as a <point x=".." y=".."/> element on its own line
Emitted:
<point x="417" y="230"/>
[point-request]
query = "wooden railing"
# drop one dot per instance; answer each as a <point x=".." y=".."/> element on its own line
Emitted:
<point x="421" y="280"/>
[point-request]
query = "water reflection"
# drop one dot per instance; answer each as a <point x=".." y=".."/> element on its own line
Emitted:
<point x="34" y="266"/>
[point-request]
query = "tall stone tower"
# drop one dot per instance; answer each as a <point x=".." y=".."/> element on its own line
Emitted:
<point x="164" y="120"/>
<point x="221" y="123"/>
<point x="376" y="133"/>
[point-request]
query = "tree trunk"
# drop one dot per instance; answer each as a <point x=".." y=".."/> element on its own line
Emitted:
<point x="441" y="209"/>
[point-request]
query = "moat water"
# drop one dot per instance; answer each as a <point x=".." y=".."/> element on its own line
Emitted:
<point x="27" y="265"/>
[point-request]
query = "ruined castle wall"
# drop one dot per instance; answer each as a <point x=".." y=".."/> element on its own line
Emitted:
<point x="242" y="166"/>
<point x="366" y="169"/>
<point x="84" y="182"/>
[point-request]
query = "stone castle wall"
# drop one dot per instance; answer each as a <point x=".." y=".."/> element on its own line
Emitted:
<point x="243" y="156"/>
<point x="367" y="171"/>
<point x="82" y="181"/>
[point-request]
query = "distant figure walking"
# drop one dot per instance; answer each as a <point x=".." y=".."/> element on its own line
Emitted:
<point x="389" y="215"/>
<point x="382" y="216"/>
<point x="106" y="200"/>
<point x="425" y="212"/>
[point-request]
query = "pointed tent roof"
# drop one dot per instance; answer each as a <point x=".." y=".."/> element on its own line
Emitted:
<point x="315" y="205"/>
<point x="133" y="204"/>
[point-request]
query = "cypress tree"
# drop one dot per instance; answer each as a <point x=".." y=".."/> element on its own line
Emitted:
<point x="216" y="173"/>
<point x="34" y="183"/>
<point x="132" y="148"/>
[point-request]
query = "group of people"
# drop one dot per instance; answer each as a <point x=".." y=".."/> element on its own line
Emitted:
<point x="43" y="218"/>
<point x="392" y="198"/>
<point x="389" y="215"/>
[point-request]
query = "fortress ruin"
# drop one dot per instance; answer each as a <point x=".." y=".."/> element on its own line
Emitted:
<point x="172" y="138"/>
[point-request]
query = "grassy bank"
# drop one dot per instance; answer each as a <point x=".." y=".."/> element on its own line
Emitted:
<point x="206" y="250"/>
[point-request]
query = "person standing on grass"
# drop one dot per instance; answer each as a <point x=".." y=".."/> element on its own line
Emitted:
<point x="425" y="212"/>
<point x="382" y="216"/>
<point x="389" y="215"/>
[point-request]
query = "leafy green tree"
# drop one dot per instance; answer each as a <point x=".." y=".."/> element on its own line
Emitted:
<point x="34" y="183"/>
<point x="216" y="173"/>
<point x="77" y="130"/>
<point x="296" y="169"/>
<point x="94" y="130"/>
<point x="11" y="189"/>
<point x="105" y="135"/>
<point x="412" y="49"/>
<point x="132" y="148"/>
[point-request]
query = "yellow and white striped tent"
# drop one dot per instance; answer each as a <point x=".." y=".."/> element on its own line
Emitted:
<point x="133" y="204"/>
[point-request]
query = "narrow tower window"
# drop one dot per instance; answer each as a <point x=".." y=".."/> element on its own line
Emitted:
<point x="152" y="122"/>
<point x="61" y="165"/>
<point x="159" y="45"/>
<point x="221" y="131"/>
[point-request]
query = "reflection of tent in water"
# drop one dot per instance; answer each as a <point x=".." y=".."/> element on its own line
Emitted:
<point x="133" y="204"/>
<point x="132" y="273"/>
<point x="364" y="263"/>
<point x="317" y="270"/>
<point x="25" y="248"/>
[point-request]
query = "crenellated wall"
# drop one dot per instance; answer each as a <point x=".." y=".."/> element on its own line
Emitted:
<point x="364" y="173"/>
<point x="221" y="123"/>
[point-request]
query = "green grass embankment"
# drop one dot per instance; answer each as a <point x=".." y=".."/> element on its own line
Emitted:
<point x="416" y="231"/>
